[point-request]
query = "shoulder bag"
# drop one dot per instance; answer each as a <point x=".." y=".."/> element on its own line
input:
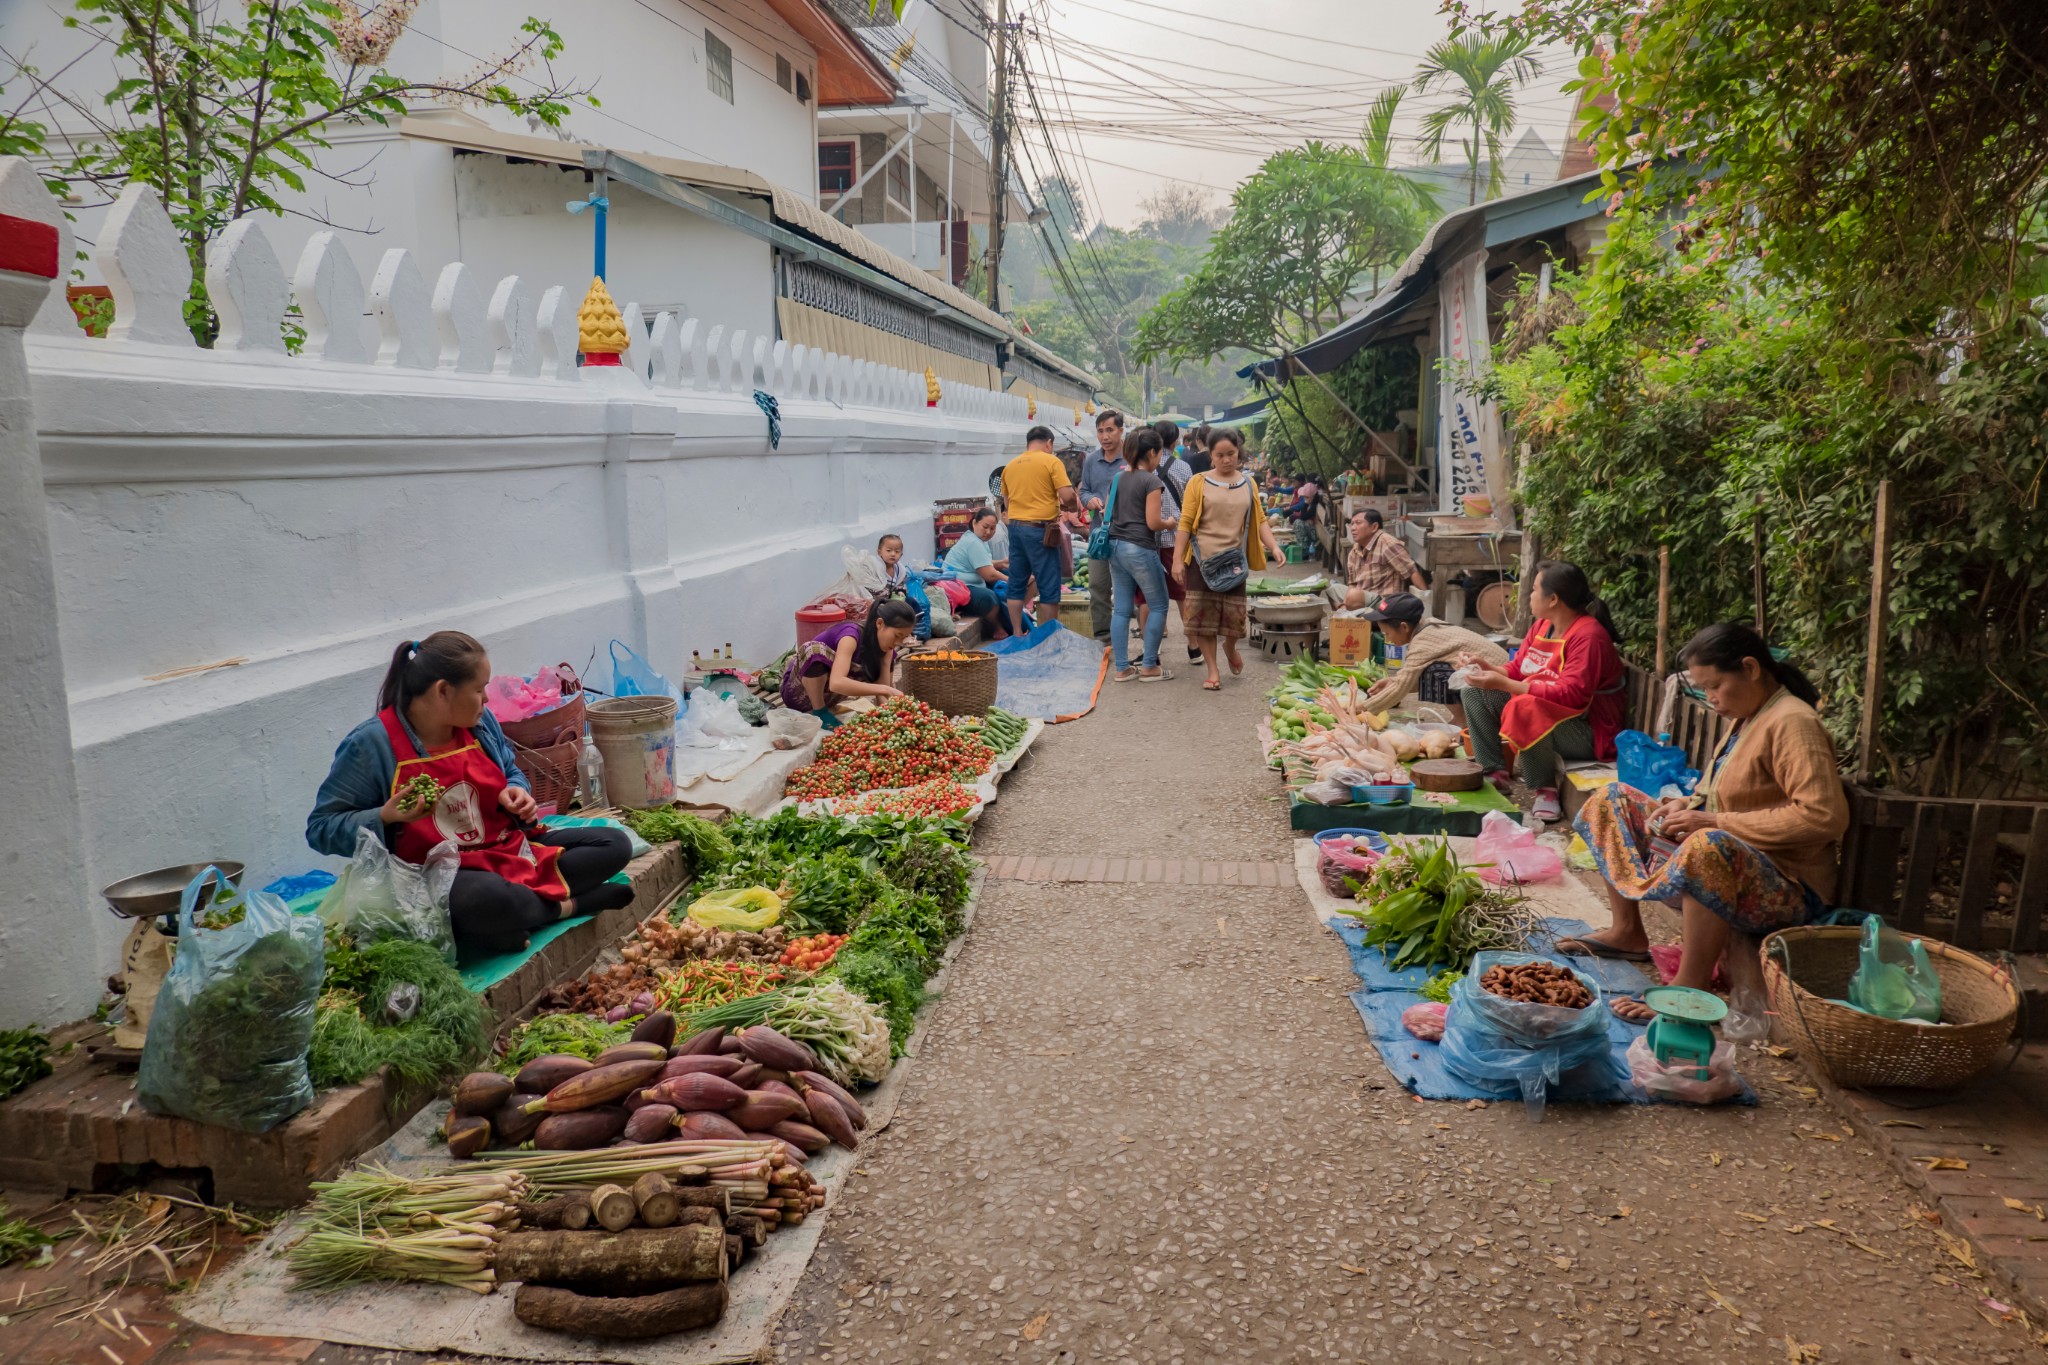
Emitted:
<point x="1227" y="570"/>
<point x="1098" y="539"/>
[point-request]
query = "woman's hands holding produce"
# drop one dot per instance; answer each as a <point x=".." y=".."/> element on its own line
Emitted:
<point x="1680" y="823"/>
<point x="518" y="803"/>
<point x="1491" y="680"/>
<point x="403" y="806"/>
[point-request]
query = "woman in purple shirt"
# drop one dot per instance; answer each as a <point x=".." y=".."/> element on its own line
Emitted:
<point x="851" y="659"/>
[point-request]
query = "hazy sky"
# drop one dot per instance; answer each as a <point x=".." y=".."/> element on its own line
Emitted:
<point x="1134" y="88"/>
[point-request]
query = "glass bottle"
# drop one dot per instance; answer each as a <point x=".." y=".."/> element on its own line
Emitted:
<point x="590" y="776"/>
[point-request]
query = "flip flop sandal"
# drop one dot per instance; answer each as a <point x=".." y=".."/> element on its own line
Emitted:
<point x="1128" y="675"/>
<point x="1593" y="947"/>
<point x="1212" y="686"/>
<point x="1163" y="675"/>
<point x="1547" y="808"/>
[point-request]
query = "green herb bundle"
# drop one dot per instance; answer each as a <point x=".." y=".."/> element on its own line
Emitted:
<point x="1422" y="907"/>
<point x="704" y="844"/>
<point x="24" y="1058"/>
<point x="830" y="892"/>
<point x="351" y="1037"/>
<point x="547" y="1035"/>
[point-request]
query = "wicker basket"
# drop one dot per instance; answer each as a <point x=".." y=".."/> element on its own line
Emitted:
<point x="552" y="770"/>
<point x="1807" y="969"/>
<point x="959" y="686"/>
<point x="547" y="729"/>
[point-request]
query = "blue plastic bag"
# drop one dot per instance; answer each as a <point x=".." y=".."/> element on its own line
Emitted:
<point x="633" y="676"/>
<point x="921" y="603"/>
<point x="1646" y="765"/>
<point x="1509" y="1047"/>
<point x="227" y="1041"/>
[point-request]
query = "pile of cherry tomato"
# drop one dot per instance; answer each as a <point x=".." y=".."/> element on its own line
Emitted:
<point x="811" y="954"/>
<point x="899" y="744"/>
<point x="937" y="798"/>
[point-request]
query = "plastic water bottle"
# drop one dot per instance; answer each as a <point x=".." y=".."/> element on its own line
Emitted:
<point x="590" y="775"/>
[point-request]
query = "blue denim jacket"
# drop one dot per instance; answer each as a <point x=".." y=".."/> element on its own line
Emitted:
<point x="359" y="783"/>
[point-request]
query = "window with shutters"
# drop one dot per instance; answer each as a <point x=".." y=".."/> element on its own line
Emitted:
<point x="718" y="66"/>
<point x="782" y="71"/>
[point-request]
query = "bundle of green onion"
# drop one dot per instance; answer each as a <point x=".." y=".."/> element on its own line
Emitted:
<point x="374" y="1224"/>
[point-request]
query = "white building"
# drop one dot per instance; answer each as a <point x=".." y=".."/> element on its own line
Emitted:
<point x="703" y="148"/>
<point x="1529" y="163"/>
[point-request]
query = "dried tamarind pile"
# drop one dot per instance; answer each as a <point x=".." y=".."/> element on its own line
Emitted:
<point x="1537" y="983"/>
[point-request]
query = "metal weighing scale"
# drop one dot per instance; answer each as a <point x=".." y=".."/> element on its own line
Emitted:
<point x="151" y="900"/>
<point x="1682" y="1034"/>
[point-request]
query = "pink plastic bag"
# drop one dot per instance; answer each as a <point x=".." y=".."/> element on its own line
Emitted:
<point x="1513" y="853"/>
<point x="1426" y="1020"/>
<point x="513" y="698"/>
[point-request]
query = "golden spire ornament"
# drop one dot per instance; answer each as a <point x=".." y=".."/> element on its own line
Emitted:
<point x="600" y="331"/>
<point x="931" y="388"/>
<point x="1030" y="407"/>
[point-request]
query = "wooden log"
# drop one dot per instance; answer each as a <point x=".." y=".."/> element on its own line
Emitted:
<point x="749" y="1228"/>
<point x="637" y="1318"/>
<point x="569" y="1212"/>
<point x="702" y="1217"/>
<point x="638" y="1261"/>
<point x="656" y="1200"/>
<point x="613" y="1208"/>
<point x="735" y="1251"/>
<point x="715" y="1197"/>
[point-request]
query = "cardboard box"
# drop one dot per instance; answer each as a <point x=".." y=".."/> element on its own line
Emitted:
<point x="1350" y="640"/>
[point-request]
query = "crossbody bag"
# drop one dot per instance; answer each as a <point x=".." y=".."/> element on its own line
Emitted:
<point x="1227" y="570"/>
<point x="1098" y="539"/>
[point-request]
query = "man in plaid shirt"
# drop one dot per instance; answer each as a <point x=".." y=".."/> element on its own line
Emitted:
<point x="1378" y="564"/>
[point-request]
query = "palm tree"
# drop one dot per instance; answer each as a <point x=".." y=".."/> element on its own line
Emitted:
<point x="1481" y="71"/>
<point x="1377" y="139"/>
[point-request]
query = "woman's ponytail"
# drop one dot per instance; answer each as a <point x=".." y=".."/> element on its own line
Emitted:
<point x="1723" y="647"/>
<point x="445" y="656"/>
<point x="1567" y="582"/>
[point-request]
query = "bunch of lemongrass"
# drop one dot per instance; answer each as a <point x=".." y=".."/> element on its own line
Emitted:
<point x="742" y="1165"/>
<point x="375" y="1196"/>
<point x="448" y="1253"/>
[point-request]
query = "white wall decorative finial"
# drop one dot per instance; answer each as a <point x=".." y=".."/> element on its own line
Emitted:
<point x="23" y="195"/>
<point x="556" y="324"/>
<point x="715" y="357"/>
<point x="739" y="362"/>
<point x="515" y="344"/>
<point x="329" y="293"/>
<point x="778" y="368"/>
<point x="147" y="270"/>
<point x="248" y="290"/>
<point x="461" y="322"/>
<point x="665" y="351"/>
<point x="405" y="313"/>
<point x="757" y="367"/>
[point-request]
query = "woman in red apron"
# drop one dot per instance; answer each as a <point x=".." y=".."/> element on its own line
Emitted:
<point x="1564" y="696"/>
<point x="431" y="722"/>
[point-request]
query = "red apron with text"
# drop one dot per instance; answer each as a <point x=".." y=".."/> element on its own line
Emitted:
<point x="1527" y="719"/>
<point x="468" y="814"/>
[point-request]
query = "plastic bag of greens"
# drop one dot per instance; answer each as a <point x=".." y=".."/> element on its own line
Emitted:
<point x="1510" y="1047"/>
<point x="227" y="1041"/>
<point x="379" y="895"/>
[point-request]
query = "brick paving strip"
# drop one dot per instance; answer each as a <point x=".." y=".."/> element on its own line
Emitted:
<point x="1155" y="871"/>
<point x="1996" y="1126"/>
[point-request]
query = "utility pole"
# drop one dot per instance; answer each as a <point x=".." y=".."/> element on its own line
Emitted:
<point x="998" y="136"/>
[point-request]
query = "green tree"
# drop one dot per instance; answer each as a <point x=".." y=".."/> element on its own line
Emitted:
<point x="1479" y="73"/>
<point x="1305" y="230"/>
<point x="222" y="105"/>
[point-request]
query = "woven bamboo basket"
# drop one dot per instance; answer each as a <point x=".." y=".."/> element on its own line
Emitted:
<point x="551" y="770"/>
<point x="1807" y="969"/>
<point x="958" y="685"/>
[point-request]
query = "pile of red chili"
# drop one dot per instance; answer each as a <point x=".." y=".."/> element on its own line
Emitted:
<point x="900" y="744"/>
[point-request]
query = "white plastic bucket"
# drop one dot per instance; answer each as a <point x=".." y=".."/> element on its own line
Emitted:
<point x="636" y="737"/>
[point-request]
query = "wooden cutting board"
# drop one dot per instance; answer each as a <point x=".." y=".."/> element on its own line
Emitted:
<point x="1447" y="775"/>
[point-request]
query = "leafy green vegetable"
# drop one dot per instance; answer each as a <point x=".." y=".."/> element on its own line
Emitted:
<point x="1438" y="987"/>
<point x="576" y="1035"/>
<point x="829" y="893"/>
<point x="1422" y="907"/>
<point x="19" y="1238"/>
<point x="704" y="844"/>
<point x="24" y="1058"/>
<point x="351" y="1037"/>
<point x="893" y="982"/>
<point x="929" y="863"/>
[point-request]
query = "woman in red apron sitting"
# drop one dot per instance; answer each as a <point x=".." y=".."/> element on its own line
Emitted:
<point x="516" y="876"/>
<point x="1563" y="696"/>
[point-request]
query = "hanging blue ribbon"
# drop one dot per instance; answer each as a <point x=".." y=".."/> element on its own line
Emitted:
<point x="772" y="410"/>
<point x="595" y="201"/>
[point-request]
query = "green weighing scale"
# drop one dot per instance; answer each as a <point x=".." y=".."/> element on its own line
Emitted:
<point x="1682" y="1034"/>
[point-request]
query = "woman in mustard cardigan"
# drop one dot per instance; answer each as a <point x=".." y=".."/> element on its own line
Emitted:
<point x="1221" y="509"/>
<point x="1754" y="846"/>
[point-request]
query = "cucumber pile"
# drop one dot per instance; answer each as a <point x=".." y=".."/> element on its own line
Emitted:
<point x="1001" y="730"/>
<point x="1293" y="703"/>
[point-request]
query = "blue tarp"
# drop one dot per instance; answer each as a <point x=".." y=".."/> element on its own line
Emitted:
<point x="1048" y="673"/>
<point x="1386" y="993"/>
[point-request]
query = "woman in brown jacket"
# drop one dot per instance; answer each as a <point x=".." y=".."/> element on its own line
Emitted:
<point x="1755" y="846"/>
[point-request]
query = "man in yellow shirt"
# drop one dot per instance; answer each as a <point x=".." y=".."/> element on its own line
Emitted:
<point x="1036" y="487"/>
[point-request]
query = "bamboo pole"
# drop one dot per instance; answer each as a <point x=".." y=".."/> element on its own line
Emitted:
<point x="1663" y="608"/>
<point x="1756" y="568"/>
<point x="1880" y="611"/>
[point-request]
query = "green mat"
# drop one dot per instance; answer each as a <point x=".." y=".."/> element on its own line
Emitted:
<point x="483" y="973"/>
<point x="1461" y="817"/>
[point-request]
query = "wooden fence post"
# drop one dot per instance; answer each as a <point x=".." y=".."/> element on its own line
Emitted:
<point x="1663" y="607"/>
<point x="1880" y="610"/>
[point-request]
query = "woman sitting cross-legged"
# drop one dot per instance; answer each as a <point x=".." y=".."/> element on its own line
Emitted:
<point x="1754" y="848"/>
